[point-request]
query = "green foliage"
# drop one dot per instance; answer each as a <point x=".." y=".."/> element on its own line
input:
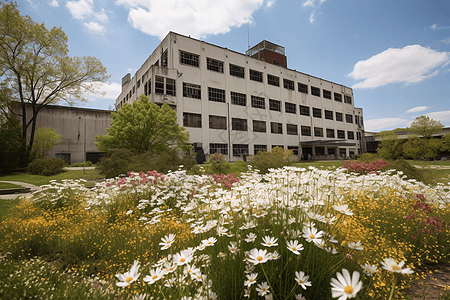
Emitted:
<point x="390" y="146"/>
<point x="414" y="148"/>
<point x="46" y="167"/>
<point x="218" y="165"/>
<point x="10" y="145"/>
<point x="143" y="127"/>
<point x="82" y="164"/>
<point x="445" y="143"/>
<point x="44" y="140"/>
<point x="277" y="158"/>
<point x="433" y="148"/>
<point x="425" y="126"/>
<point x="37" y="70"/>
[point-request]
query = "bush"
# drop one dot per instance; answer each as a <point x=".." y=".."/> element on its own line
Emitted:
<point x="46" y="167"/>
<point x="218" y="165"/>
<point x="277" y="158"/>
<point x="80" y="164"/>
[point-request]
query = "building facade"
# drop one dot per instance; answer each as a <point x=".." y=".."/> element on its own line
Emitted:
<point x="238" y="104"/>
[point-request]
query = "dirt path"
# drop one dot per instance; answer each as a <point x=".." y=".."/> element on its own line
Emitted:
<point x="434" y="286"/>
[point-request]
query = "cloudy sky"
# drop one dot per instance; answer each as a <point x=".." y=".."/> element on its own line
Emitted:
<point x="394" y="54"/>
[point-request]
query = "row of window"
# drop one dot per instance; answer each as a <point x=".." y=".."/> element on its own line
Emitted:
<point x="192" y="59"/>
<point x="220" y="123"/>
<point x="243" y="149"/>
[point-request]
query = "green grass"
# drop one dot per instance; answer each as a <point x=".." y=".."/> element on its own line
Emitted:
<point x="320" y="164"/>
<point x="4" y="185"/>
<point x="429" y="162"/>
<point x="5" y="207"/>
<point x="41" y="180"/>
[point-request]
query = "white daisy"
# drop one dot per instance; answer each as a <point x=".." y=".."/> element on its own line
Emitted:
<point x="302" y="279"/>
<point x="251" y="279"/>
<point x="262" y="289"/>
<point x="128" y="277"/>
<point x="269" y="241"/>
<point x="167" y="241"/>
<point x="391" y="265"/>
<point x="250" y="237"/>
<point x="369" y="270"/>
<point x="345" y="286"/>
<point x="294" y="246"/>
<point x="256" y="256"/>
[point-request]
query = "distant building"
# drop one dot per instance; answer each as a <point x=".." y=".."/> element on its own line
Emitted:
<point x="78" y="127"/>
<point x="238" y="104"/>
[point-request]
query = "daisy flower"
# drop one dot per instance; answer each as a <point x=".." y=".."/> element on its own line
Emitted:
<point x="269" y="241"/>
<point x="300" y="297"/>
<point x="209" y="242"/>
<point x="167" y="241"/>
<point x="251" y="279"/>
<point x="294" y="246"/>
<point x="139" y="297"/>
<point x="233" y="248"/>
<point x="154" y="276"/>
<point x="356" y="245"/>
<point x="311" y="234"/>
<point x="274" y="255"/>
<point x="345" y="287"/>
<point x="184" y="257"/>
<point x="343" y="208"/>
<point x="128" y="277"/>
<point x="369" y="270"/>
<point x="256" y="256"/>
<point x="262" y="289"/>
<point x="302" y="279"/>
<point x="250" y="237"/>
<point x="391" y="265"/>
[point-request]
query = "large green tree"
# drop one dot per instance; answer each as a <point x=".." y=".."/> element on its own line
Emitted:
<point x="46" y="138"/>
<point x="144" y="127"/>
<point x="390" y="146"/>
<point x="425" y="126"/>
<point x="36" y="70"/>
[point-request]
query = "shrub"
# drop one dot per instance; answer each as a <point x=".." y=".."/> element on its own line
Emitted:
<point x="218" y="165"/>
<point x="46" y="167"/>
<point x="81" y="164"/>
<point x="277" y="158"/>
<point x="364" y="168"/>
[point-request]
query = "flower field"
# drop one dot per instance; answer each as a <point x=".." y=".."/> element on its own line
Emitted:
<point x="293" y="233"/>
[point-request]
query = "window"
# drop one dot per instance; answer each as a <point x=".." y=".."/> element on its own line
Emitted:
<point x="318" y="131"/>
<point x="274" y="105"/>
<point x="192" y="120"/>
<point x="148" y="87"/>
<point x="317" y="112"/>
<point x="164" y="58"/>
<point x="339" y="117"/>
<point x="358" y="135"/>
<point x="218" y="148"/>
<point x="216" y="95"/>
<point x="238" y="99"/>
<point x="326" y="94"/>
<point x="294" y="149"/>
<point x="192" y="90"/>
<point x="357" y="120"/>
<point x="257" y="148"/>
<point x="134" y="89"/>
<point x="273" y="80"/>
<point x="304" y="110"/>
<point x="288" y="84"/>
<point x="159" y="85"/>
<point x="291" y="129"/>
<point x="315" y="91"/>
<point x="347" y="99"/>
<point x="170" y="87"/>
<point x="214" y="65"/>
<point x="239" y="124"/>
<point x="350" y="135"/>
<point x="302" y="88"/>
<point x="337" y="97"/>
<point x="259" y="126"/>
<point x="240" y="149"/>
<point x="330" y="133"/>
<point x="331" y="151"/>
<point x="348" y="118"/>
<point x="256" y="76"/>
<point x="290" y="108"/>
<point x="341" y="134"/>
<point x="306" y="130"/>
<point x="258" y="102"/>
<point x="276" y="128"/>
<point x="328" y="115"/>
<point x="320" y="150"/>
<point x="138" y="84"/>
<point x="190" y="59"/>
<point x="237" y="71"/>
<point x="217" y="122"/>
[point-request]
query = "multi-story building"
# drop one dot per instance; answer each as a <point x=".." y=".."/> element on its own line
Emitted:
<point x="238" y="104"/>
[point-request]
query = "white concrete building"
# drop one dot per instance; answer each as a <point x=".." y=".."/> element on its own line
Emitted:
<point x="237" y="104"/>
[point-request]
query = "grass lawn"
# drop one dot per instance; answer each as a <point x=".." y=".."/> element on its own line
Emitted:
<point x="4" y="185"/>
<point x="429" y="162"/>
<point x="41" y="180"/>
<point x="5" y="207"/>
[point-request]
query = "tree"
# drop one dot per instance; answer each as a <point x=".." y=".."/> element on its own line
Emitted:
<point x="10" y="145"/>
<point x="414" y="147"/>
<point x="45" y="139"/>
<point x="144" y="127"/>
<point x="36" y="70"/>
<point x="445" y="143"/>
<point x="390" y="146"/>
<point x="425" y="126"/>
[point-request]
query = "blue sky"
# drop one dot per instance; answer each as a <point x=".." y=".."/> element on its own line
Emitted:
<point x="395" y="54"/>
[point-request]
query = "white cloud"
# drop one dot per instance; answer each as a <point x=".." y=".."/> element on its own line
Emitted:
<point x="101" y="16"/>
<point x="446" y="41"/>
<point x="433" y="26"/>
<point x="410" y="64"/>
<point x="270" y="3"/>
<point x="95" y="27"/>
<point x="108" y="90"/>
<point x="80" y="9"/>
<point x="417" y="109"/>
<point x="53" y="3"/>
<point x="309" y="3"/>
<point x="443" y="116"/>
<point x="197" y="18"/>
<point x="311" y="17"/>
<point x="384" y="123"/>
